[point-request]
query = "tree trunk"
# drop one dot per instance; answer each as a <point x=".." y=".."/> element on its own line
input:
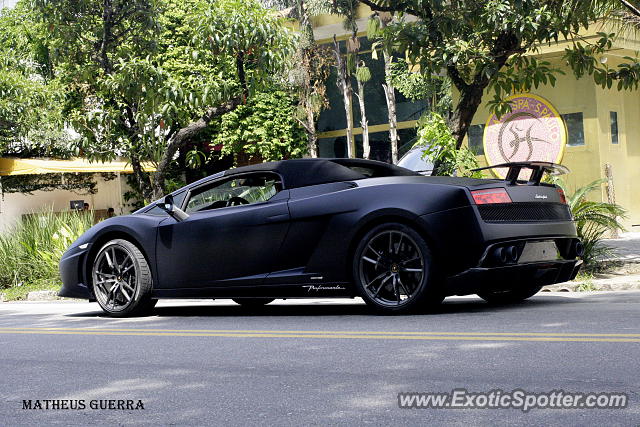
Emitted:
<point x="312" y="144"/>
<point x="344" y="84"/>
<point x="141" y="179"/>
<point x="390" y="93"/>
<point x="183" y="136"/>
<point x="310" y="124"/>
<point x="363" y="122"/>
<point x="390" y="97"/>
<point x="460" y="121"/>
<point x="107" y="36"/>
<point x="307" y="49"/>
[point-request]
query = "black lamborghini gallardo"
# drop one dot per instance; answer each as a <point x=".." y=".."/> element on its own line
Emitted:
<point x="331" y="228"/>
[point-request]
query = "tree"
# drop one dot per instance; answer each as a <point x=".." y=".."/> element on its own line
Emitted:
<point x="31" y="119"/>
<point x="257" y="43"/>
<point x="261" y="128"/>
<point x="346" y="65"/>
<point x="91" y="44"/>
<point x="344" y="84"/>
<point x="356" y="67"/>
<point x="363" y="75"/>
<point x="310" y="69"/>
<point x="146" y="77"/>
<point x="414" y="85"/>
<point x="485" y="45"/>
<point x="378" y="22"/>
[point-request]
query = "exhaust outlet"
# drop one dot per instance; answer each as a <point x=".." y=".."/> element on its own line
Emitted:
<point x="500" y="255"/>
<point x="578" y="248"/>
<point x="512" y="254"/>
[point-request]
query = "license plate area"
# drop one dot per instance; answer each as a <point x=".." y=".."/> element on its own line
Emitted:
<point x="539" y="251"/>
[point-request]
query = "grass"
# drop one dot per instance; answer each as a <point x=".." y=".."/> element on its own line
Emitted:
<point x="17" y="293"/>
<point x="31" y="250"/>
<point x="586" y="284"/>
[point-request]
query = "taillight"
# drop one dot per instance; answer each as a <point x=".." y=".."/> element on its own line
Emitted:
<point x="563" y="198"/>
<point x="491" y="195"/>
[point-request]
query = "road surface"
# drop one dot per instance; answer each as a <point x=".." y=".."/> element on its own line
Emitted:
<point x="316" y="362"/>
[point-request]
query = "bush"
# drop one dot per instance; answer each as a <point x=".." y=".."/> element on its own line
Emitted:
<point x="440" y="146"/>
<point x="593" y="221"/>
<point x="31" y="250"/>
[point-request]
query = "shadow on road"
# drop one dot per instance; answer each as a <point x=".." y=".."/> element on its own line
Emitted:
<point x="326" y="308"/>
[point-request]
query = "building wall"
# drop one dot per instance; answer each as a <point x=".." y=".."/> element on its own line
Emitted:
<point x="109" y="195"/>
<point x="587" y="162"/>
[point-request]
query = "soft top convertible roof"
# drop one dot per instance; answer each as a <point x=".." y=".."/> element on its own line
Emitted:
<point x="304" y="172"/>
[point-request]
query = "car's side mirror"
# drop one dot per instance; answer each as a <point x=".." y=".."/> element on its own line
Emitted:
<point x="169" y="207"/>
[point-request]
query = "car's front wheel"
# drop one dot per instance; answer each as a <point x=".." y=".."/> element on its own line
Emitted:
<point x="122" y="280"/>
<point x="393" y="270"/>
<point x="510" y="296"/>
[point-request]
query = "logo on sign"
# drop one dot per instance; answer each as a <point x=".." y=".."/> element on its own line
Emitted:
<point x="532" y="131"/>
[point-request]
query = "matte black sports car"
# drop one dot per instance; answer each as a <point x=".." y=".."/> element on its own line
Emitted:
<point x="331" y="228"/>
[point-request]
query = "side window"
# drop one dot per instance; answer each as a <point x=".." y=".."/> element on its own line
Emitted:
<point x="243" y="190"/>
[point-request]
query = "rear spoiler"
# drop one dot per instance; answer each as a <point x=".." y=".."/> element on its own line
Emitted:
<point x="538" y="169"/>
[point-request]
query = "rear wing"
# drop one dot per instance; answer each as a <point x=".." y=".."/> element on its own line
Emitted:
<point x="538" y="169"/>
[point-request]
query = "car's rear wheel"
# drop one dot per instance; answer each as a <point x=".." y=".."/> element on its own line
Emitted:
<point x="510" y="296"/>
<point x="253" y="302"/>
<point x="122" y="280"/>
<point x="393" y="270"/>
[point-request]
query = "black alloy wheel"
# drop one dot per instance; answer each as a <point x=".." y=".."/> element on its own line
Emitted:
<point x="393" y="270"/>
<point x="122" y="281"/>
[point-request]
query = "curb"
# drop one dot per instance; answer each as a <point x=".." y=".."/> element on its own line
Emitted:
<point x="42" y="296"/>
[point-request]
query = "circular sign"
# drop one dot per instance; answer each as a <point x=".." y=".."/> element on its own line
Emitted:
<point x="532" y="131"/>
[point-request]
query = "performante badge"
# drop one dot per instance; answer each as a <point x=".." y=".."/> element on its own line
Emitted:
<point x="532" y="131"/>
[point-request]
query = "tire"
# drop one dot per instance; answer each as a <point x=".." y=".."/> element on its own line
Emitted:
<point x="393" y="270"/>
<point x="253" y="302"/>
<point x="122" y="281"/>
<point x="510" y="296"/>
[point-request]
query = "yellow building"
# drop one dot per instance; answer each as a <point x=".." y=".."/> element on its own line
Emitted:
<point x="603" y="125"/>
<point x="603" y="128"/>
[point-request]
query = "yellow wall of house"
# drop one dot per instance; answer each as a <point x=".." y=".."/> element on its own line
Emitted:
<point x="587" y="162"/>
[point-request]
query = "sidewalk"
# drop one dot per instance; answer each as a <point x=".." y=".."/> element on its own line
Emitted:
<point x="626" y="248"/>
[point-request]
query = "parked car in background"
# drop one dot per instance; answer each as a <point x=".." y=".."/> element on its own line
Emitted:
<point x="413" y="160"/>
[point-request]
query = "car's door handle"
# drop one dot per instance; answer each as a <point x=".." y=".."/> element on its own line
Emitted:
<point x="277" y="218"/>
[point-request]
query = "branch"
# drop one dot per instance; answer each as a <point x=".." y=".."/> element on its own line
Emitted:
<point x="192" y="129"/>
<point x="397" y="8"/>
<point x="455" y="77"/>
<point x="631" y="7"/>
<point x="304" y="125"/>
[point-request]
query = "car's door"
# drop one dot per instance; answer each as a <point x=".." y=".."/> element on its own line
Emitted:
<point x="232" y="237"/>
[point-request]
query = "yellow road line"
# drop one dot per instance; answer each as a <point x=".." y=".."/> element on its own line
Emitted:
<point x="303" y="332"/>
<point x="326" y="336"/>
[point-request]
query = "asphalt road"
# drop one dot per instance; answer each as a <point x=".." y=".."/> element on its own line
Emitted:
<point x="317" y="362"/>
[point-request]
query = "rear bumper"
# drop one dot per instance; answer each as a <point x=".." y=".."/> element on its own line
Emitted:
<point x="479" y="279"/>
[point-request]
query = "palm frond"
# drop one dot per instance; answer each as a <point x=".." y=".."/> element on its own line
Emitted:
<point x="581" y="192"/>
<point x="593" y="220"/>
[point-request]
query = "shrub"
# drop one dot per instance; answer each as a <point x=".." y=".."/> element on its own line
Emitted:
<point x="31" y="250"/>
<point x="593" y="221"/>
<point x="440" y="146"/>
